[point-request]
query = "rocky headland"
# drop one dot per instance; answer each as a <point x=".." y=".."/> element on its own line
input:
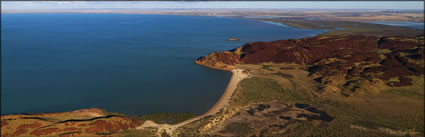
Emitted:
<point x="355" y="83"/>
<point x="344" y="64"/>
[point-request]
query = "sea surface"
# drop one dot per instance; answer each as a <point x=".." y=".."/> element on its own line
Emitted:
<point x="126" y="63"/>
<point x="406" y="24"/>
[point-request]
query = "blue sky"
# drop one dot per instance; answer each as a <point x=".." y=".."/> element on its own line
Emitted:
<point x="214" y="4"/>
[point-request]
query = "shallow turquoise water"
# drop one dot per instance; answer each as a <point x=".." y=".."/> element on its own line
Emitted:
<point x="406" y="24"/>
<point x="132" y="64"/>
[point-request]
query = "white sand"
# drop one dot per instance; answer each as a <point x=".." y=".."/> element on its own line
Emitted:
<point x="223" y="102"/>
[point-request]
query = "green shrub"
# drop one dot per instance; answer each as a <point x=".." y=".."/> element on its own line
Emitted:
<point x="262" y="90"/>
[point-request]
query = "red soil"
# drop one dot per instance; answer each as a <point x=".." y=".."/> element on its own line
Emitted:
<point x="25" y="126"/>
<point x="352" y="58"/>
<point x="44" y="132"/>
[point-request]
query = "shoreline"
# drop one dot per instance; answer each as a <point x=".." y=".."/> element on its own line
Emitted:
<point x="290" y="14"/>
<point x="237" y="76"/>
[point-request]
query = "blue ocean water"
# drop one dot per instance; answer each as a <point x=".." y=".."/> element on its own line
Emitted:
<point x="127" y="63"/>
<point x="406" y="24"/>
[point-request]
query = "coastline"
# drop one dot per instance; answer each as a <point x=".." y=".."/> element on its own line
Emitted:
<point x="217" y="111"/>
<point x="237" y="76"/>
<point x="259" y="13"/>
<point x="204" y="65"/>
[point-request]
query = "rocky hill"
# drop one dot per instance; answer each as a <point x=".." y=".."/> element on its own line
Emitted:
<point x="84" y="122"/>
<point x="341" y="64"/>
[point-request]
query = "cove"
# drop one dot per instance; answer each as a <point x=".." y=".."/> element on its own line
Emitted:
<point x="126" y="63"/>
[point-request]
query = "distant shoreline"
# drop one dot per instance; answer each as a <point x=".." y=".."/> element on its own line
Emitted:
<point x="320" y="14"/>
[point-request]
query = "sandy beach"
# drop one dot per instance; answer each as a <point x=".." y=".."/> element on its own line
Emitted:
<point x="223" y="102"/>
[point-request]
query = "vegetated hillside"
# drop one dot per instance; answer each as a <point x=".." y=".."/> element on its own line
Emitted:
<point x="342" y="64"/>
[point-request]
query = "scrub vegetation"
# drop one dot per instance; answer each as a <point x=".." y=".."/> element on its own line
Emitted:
<point x="169" y="118"/>
<point x="354" y="116"/>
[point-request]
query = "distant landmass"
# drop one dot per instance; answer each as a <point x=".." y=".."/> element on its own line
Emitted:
<point x="318" y="14"/>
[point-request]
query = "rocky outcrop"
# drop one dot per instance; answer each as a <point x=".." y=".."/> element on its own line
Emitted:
<point x="341" y="64"/>
<point x="222" y="61"/>
<point x="84" y="122"/>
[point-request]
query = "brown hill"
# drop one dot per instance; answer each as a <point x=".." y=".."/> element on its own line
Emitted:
<point x="84" y="122"/>
<point x="341" y="64"/>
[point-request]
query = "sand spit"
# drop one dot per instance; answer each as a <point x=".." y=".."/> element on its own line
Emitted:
<point x="223" y="102"/>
